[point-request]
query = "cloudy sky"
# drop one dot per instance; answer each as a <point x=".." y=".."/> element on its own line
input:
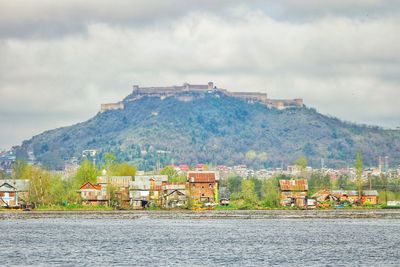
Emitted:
<point x="59" y="60"/>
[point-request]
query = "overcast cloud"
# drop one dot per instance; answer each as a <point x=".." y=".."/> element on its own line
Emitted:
<point x="59" y="60"/>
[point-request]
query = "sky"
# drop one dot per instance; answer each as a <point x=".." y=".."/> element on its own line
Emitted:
<point x="59" y="60"/>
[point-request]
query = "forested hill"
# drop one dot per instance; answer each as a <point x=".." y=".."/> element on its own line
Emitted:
<point x="217" y="129"/>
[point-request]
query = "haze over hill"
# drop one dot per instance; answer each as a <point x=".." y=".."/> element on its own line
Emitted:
<point x="212" y="125"/>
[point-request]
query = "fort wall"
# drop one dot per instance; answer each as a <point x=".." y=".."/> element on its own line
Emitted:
<point x="180" y="90"/>
<point x="111" y="106"/>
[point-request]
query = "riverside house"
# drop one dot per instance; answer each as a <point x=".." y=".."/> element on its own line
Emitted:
<point x="203" y="186"/>
<point x="341" y="196"/>
<point x="99" y="193"/>
<point x="93" y="194"/>
<point x="13" y="192"/>
<point x="146" y="190"/>
<point x="293" y="192"/>
<point x="174" y="195"/>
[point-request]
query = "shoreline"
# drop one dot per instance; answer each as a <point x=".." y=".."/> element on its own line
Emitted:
<point x="208" y="214"/>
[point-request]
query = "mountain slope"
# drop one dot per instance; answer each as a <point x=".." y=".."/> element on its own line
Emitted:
<point x="218" y="129"/>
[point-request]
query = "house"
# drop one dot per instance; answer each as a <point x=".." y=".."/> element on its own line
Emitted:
<point x="118" y="184"/>
<point x="325" y="196"/>
<point x="203" y="186"/>
<point x="174" y="195"/>
<point x="14" y="192"/>
<point x="93" y="194"/>
<point x="293" y="192"/>
<point x="184" y="167"/>
<point x="352" y="196"/>
<point x="146" y="190"/>
<point x="99" y="193"/>
<point x="369" y="197"/>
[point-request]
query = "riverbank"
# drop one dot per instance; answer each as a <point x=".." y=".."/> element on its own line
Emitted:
<point x="209" y="214"/>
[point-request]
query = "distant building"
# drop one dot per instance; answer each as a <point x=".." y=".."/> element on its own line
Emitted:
<point x="203" y="186"/>
<point x="146" y="190"/>
<point x="293" y="192"/>
<point x="369" y="197"/>
<point x="14" y="192"/>
<point x="174" y="195"/>
<point x="93" y="194"/>
<point x="99" y="194"/>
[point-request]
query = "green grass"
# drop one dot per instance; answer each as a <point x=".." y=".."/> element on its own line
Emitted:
<point x="71" y="207"/>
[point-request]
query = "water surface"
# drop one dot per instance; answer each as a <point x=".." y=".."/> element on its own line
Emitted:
<point x="199" y="242"/>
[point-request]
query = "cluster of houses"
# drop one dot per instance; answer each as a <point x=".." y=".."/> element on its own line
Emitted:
<point x="152" y="190"/>
<point x="295" y="193"/>
<point x="200" y="187"/>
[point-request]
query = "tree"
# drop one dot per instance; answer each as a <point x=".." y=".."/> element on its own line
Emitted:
<point x="86" y="172"/>
<point x="271" y="192"/>
<point x="19" y="169"/>
<point x="248" y="192"/>
<point x="123" y="169"/>
<point x="39" y="184"/>
<point x="359" y="171"/>
<point x="234" y="183"/>
<point x="170" y="172"/>
<point x="251" y="154"/>
<point x="301" y="162"/>
<point x="109" y="159"/>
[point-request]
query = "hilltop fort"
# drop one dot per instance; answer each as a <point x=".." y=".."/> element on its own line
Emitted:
<point x="188" y="92"/>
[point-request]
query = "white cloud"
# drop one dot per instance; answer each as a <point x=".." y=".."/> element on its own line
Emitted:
<point x="341" y="64"/>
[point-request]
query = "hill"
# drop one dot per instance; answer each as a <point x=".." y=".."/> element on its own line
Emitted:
<point x="215" y="128"/>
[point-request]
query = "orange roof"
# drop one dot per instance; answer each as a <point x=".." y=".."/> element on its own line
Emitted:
<point x="293" y="185"/>
<point x="201" y="177"/>
<point x="89" y="185"/>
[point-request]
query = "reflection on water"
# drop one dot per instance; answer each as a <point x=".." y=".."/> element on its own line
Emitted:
<point x="184" y="242"/>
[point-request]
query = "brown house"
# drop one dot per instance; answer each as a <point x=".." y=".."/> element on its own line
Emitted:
<point x="293" y="192"/>
<point x="369" y="197"/>
<point x="203" y="185"/>
<point x="93" y="194"/>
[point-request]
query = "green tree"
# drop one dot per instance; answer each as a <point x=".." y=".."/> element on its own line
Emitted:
<point x="123" y="169"/>
<point x="57" y="190"/>
<point x="86" y="172"/>
<point x="109" y="159"/>
<point x="251" y="154"/>
<point x="359" y="171"/>
<point x="234" y="183"/>
<point x="301" y="162"/>
<point x="19" y="169"/>
<point x="248" y="192"/>
<point x="271" y="193"/>
<point x="170" y="172"/>
<point x="39" y="184"/>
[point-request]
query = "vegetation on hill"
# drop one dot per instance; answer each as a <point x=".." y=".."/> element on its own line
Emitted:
<point x="214" y="129"/>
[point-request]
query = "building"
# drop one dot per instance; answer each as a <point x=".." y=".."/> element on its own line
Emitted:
<point x="174" y="195"/>
<point x="293" y="192"/>
<point x="93" y="194"/>
<point x="203" y="186"/>
<point x="146" y="190"/>
<point x="369" y="197"/>
<point x="14" y="192"/>
<point x="107" y="188"/>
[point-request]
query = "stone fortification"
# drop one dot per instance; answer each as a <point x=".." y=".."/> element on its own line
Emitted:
<point x="111" y="106"/>
<point x="181" y="92"/>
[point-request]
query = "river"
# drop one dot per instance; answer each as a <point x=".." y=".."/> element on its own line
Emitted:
<point x="103" y="240"/>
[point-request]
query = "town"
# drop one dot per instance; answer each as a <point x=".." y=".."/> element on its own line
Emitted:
<point x="119" y="185"/>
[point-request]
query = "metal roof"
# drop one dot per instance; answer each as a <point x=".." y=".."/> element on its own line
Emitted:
<point x="293" y="185"/>
<point x="18" y="184"/>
